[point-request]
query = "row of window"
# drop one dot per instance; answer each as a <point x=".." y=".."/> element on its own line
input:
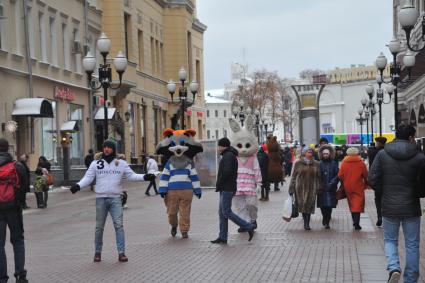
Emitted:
<point x="216" y="113"/>
<point x="216" y="134"/>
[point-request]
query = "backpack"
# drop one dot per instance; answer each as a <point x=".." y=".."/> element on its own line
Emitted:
<point x="9" y="184"/>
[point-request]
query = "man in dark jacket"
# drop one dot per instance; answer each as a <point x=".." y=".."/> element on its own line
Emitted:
<point x="11" y="215"/>
<point x="394" y="174"/>
<point x="263" y="161"/>
<point x="226" y="185"/>
<point x="373" y="151"/>
<point x="25" y="184"/>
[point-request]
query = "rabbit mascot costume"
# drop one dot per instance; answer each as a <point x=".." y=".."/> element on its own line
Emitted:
<point x="249" y="173"/>
<point x="179" y="180"/>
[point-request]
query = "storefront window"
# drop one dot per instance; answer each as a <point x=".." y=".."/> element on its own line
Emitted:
<point x="49" y="138"/>
<point x="131" y="121"/>
<point x="77" y="146"/>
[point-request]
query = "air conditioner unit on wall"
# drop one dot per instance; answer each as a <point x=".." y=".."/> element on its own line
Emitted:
<point x="76" y="47"/>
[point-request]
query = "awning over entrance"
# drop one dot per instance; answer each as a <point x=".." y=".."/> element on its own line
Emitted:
<point x="100" y="114"/>
<point x="33" y="107"/>
<point x="69" y="126"/>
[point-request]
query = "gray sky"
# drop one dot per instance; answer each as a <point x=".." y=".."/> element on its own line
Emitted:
<point x="288" y="36"/>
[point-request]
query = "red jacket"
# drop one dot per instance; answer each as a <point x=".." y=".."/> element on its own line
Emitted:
<point x="353" y="174"/>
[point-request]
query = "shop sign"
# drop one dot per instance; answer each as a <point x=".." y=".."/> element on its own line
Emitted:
<point x="199" y="114"/>
<point x="64" y="93"/>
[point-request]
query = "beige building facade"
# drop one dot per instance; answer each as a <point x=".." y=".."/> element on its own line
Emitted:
<point x="158" y="38"/>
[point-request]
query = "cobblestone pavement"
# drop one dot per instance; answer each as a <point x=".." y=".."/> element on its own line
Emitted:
<point x="59" y="242"/>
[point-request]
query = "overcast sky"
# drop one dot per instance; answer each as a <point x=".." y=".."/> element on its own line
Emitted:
<point x="288" y="36"/>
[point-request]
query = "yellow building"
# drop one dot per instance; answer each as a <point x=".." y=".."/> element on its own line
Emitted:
<point x="43" y="87"/>
<point x="158" y="38"/>
<point x="355" y="73"/>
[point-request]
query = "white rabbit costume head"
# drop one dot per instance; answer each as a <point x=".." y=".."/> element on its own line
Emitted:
<point x="243" y="139"/>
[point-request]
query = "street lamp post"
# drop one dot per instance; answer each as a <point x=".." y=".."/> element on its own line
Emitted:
<point x="371" y="105"/>
<point x="360" y="120"/>
<point x="365" y="106"/>
<point x="408" y="16"/>
<point x="193" y="86"/>
<point x="257" y="123"/>
<point x="105" y="73"/>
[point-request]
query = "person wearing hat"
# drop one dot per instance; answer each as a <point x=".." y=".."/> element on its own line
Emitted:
<point x="12" y="175"/>
<point x="109" y="170"/>
<point x="305" y="184"/>
<point x="263" y="161"/>
<point x="226" y="186"/>
<point x="380" y="143"/>
<point x="353" y="174"/>
<point x="326" y="198"/>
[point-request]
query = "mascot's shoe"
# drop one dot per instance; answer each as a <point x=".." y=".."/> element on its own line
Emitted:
<point x="122" y="258"/>
<point x="219" y="241"/>
<point x="97" y="257"/>
<point x="173" y="231"/>
<point x="185" y="235"/>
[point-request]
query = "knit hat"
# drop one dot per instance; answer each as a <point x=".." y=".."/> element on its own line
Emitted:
<point x="111" y="144"/>
<point x="305" y="149"/>
<point x="352" y="151"/>
<point x="4" y="145"/>
<point x="224" y="142"/>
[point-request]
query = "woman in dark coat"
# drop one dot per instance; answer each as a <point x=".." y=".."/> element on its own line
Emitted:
<point x="263" y="160"/>
<point x="326" y="198"/>
<point x="43" y="163"/>
<point x="305" y="183"/>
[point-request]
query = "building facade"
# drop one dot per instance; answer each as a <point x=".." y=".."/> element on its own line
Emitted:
<point x="45" y="89"/>
<point x="218" y="112"/>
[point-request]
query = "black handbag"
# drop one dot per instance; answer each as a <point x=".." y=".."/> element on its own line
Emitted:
<point x="295" y="212"/>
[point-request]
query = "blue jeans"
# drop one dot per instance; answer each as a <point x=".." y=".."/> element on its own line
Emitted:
<point x="13" y="219"/>
<point x="114" y="207"/>
<point x="411" y="230"/>
<point x="225" y="213"/>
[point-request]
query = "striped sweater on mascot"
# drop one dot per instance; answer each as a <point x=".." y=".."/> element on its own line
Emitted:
<point x="179" y="180"/>
<point x="249" y="173"/>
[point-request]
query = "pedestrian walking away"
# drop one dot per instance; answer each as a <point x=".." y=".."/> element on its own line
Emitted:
<point x="25" y="184"/>
<point x="40" y="186"/>
<point x="353" y="175"/>
<point x="263" y="161"/>
<point x="305" y="184"/>
<point x="109" y="169"/>
<point x="326" y="197"/>
<point x="226" y="185"/>
<point x="380" y="143"/>
<point x="394" y="175"/>
<point x="249" y="172"/>
<point x="275" y="171"/>
<point x="12" y="174"/>
<point x="87" y="161"/>
<point x="151" y="168"/>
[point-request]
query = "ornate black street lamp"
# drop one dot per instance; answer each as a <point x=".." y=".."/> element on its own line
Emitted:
<point x="366" y="113"/>
<point x="360" y="119"/>
<point x="257" y="123"/>
<point x="240" y="112"/>
<point x="184" y="103"/>
<point x="408" y="16"/>
<point x="105" y="73"/>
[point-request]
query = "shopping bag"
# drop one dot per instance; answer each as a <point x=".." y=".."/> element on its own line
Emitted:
<point x="295" y="212"/>
<point x="287" y="209"/>
<point x="340" y="193"/>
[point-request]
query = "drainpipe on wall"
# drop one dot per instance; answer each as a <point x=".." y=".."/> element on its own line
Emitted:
<point x="86" y="42"/>
<point x="29" y="66"/>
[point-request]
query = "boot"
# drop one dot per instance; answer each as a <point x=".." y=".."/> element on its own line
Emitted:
<point x="122" y="257"/>
<point x="306" y="218"/>
<point x="356" y="220"/>
<point x="97" y="257"/>
<point x="267" y="195"/>
<point x="262" y="194"/>
<point x="21" y="279"/>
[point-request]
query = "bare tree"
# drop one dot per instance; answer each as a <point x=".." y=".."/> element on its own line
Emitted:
<point x="287" y="107"/>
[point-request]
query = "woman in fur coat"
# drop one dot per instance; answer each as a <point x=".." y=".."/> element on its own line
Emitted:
<point x="305" y="184"/>
<point x="353" y="174"/>
<point x="275" y="171"/>
<point x="326" y="198"/>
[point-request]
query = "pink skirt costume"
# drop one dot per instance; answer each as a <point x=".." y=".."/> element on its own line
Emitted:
<point x="249" y="177"/>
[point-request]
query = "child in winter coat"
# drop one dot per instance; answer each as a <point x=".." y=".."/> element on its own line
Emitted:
<point x="40" y="185"/>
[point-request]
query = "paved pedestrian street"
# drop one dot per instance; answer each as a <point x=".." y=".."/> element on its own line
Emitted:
<point x="60" y="244"/>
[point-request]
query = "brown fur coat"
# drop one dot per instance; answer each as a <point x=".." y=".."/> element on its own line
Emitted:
<point x="305" y="182"/>
<point x="275" y="170"/>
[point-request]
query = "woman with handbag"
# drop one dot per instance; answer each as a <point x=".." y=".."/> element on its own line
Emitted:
<point x="353" y="174"/>
<point x="305" y="183"/>
<point x="326" y="197"/>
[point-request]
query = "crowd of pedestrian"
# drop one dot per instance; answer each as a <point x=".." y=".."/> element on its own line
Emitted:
<point x="320" y="176"/>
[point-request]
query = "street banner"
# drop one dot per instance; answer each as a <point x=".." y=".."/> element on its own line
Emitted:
<point x="206" y="164"/>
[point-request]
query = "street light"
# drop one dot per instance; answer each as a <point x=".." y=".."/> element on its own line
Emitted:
<point x="105" y="73"/>
<point x="257" y="123"/>
<point x="408" y="17"/>
<point x="365" y="107"/>
<point x="371" y="105"/>
<point x="193" y="87"/>
<point x="360" y="120"/>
